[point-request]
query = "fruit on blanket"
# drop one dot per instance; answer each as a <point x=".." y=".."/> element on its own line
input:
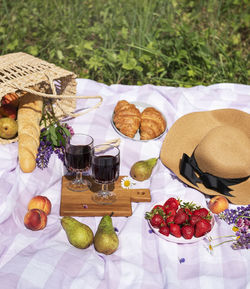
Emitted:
<point x="106" y="240"/>
<point x="8" y="110"/>
<point x="8" y="128"/>
<point x="35" y="220"/>
<point x="78" y="234"/>
<point x="41" y="203"/>
<point x="142" y="170"/>
<point x="218" y="204"/>
<point x="202" y="227"/>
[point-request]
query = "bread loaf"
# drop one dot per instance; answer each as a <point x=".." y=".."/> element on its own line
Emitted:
<point x="153" y="123"/>
<point x="127" y="118"/>
<point x="28" y="119"/>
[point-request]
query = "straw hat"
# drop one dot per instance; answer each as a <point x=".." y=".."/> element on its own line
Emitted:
<point x="210" y="151"/>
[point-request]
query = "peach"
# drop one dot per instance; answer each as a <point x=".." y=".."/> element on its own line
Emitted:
<point x="218" y="204"/>
<point x="35" y="220"/>
<point x="41" y="203"/>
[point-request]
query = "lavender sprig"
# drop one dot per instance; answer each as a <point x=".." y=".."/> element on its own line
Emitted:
<point x="52" y="138"/>
<point x="230" y="216"/>
<point x="48" y="147"/>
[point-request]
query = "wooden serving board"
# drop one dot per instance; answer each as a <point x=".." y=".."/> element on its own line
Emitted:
<point x="80" y="203"/>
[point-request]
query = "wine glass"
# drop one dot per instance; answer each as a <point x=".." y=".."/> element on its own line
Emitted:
<point x="105" y="171"/>
<point x="78" y="156"/>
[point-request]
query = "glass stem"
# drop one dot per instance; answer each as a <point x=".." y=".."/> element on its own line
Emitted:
<point x="105" y="188"/>
<point x="78" y="178"/>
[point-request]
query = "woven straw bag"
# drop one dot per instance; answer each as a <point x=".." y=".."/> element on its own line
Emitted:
<point x="21" y="72"/>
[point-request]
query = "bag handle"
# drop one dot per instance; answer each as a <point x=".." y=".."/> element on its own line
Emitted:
<point x="61" y="96"/>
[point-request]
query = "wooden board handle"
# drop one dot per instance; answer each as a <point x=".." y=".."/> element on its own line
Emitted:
<point x="140" y="195"/>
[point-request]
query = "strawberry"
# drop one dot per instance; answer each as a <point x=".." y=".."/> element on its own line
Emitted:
<point x="170" y="212"/>
<point x="172" y="203"/>
<point x="187" y="231"/>
<point x="194" y="219"/>
<point x="157" y="220"/>
<point x="158" y="208"/>
<point x="187" y="211"/>
<point x="175" y="230"/>
<point x="202" y="227"/>
<point x="180" y="217"/>
<point x="202" y="212"/>
<point x="164" y="230"/>
<point x="169" y="220"/>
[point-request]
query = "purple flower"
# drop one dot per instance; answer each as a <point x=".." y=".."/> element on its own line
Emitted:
<point x="182" y="260"/>
<point x="240" y="218"/>
<point x="46" y="148"/>
<point x="43" y="156"/>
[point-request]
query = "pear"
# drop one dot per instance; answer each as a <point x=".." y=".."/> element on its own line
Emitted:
<point x="106" y="240"/>
<point x="142" y="170"/>
<point x="8" y="127"/>
<point x="79" y="234"/>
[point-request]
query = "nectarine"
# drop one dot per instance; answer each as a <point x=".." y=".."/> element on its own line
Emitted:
<point x="35" y="220"/>
<point x="218" y="204"/>
<point x="41" y="203"/>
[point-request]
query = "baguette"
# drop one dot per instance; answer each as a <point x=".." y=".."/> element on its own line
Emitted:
<point x="28" y="120"/>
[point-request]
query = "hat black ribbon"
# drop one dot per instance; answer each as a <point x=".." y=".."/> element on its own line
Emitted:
<point x="188" y="168"/>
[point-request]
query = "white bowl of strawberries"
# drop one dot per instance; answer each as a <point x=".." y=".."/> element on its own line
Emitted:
<point x="180" y="221"/>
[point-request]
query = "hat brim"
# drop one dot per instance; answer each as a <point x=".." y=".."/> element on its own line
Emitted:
<point x="187" y="132"/>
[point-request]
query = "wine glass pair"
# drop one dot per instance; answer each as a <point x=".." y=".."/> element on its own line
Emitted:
<point x="102" y="162"/>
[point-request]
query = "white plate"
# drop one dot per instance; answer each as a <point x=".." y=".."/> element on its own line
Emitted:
<point x="181" y="240"/>
<point x="141" y="106"/>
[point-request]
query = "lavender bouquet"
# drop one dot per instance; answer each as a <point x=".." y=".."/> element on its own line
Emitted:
<point x="239" y="218"/>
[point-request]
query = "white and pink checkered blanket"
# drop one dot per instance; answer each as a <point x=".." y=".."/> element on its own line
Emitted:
<point x="46" y="260"/>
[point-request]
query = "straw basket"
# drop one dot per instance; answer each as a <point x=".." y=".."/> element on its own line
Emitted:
<point x="21" y="72"/>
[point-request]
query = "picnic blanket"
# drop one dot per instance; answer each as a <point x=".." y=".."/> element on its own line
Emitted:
<point x="45" y="259"/>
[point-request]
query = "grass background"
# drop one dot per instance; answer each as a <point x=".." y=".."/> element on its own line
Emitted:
<point x="160" y="42"/>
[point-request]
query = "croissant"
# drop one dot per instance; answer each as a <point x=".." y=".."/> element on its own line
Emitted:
<point x="153" y="124"/>
<point x="28" y="120"/>
<point x="127" y="118"/>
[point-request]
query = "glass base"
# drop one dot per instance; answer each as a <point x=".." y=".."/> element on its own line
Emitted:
<point x="104" y="198"/>
<point x="78" y="186"/>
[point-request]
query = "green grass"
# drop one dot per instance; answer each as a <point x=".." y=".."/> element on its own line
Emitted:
<point x="160" y="42"/>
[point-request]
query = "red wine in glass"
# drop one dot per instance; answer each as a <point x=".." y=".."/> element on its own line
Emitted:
<point x="105" y="170"/>
<point x="78" y="157"/>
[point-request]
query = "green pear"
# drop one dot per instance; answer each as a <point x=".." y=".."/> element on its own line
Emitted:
<point x="79" y="234"/>
<point x="106" y="240"/>
<point x="8" y="127"/>
<point x="142" y="170"/>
